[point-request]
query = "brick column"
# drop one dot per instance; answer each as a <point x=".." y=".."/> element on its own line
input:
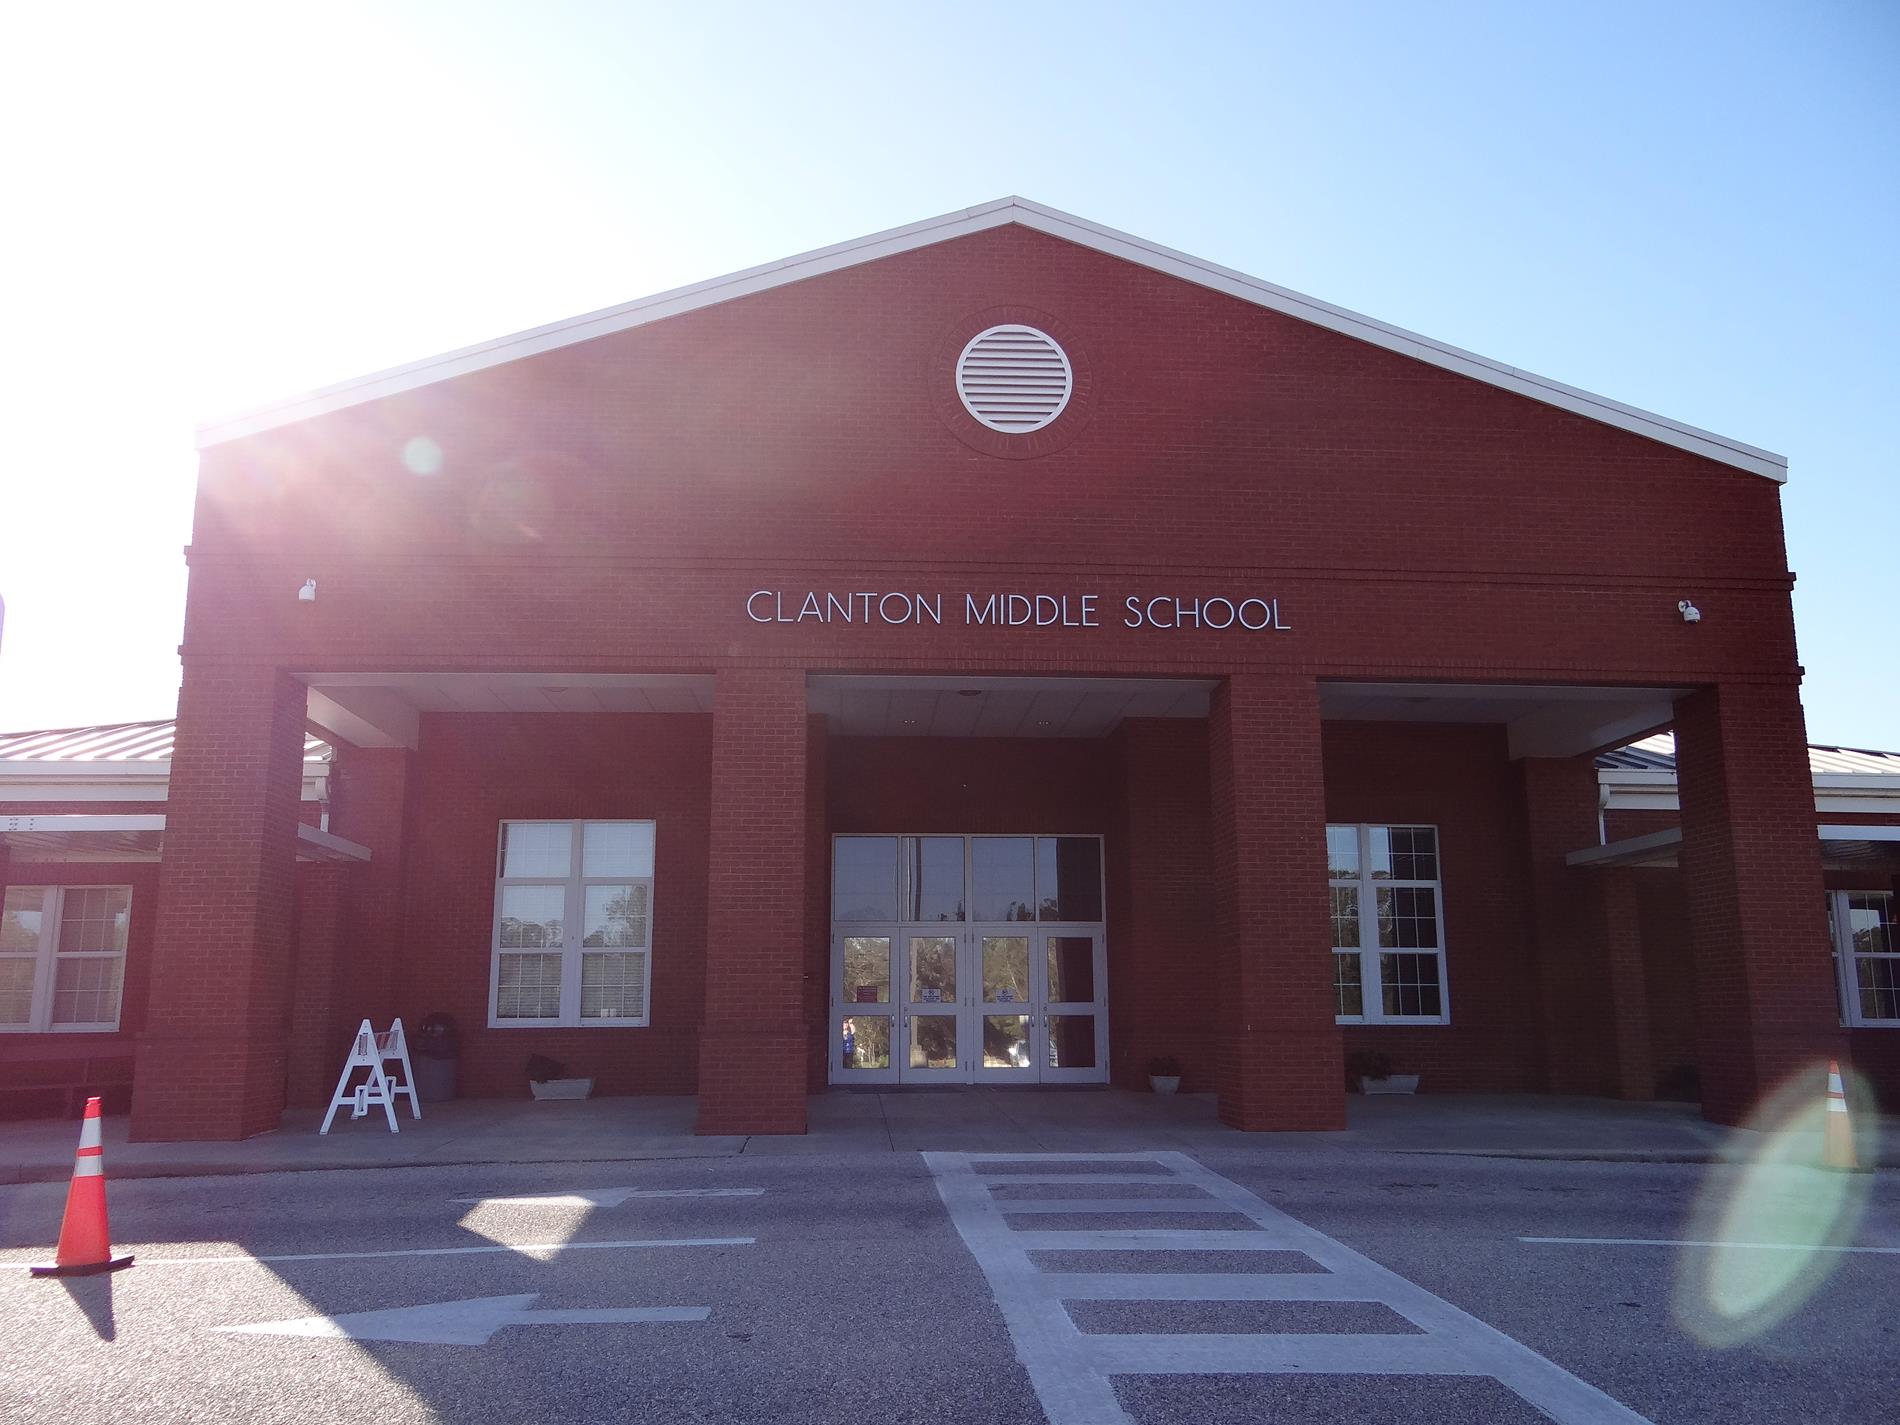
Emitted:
<point x="315" y="1057"/>
<point x="817" y="905"/>
<point x="1161" y="919"/>
<point x="1619" y="921"/>
<point x="1751" y="868"/>
<point x="211" y="1060"/>
<point x="1560" y="816"/>
<point x="753" y="1046"/>
<point x="1278" y="1061"/>
<point x="370" y="803"/>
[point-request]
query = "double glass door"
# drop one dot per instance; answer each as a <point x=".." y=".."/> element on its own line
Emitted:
<point x="1004" y="1004"/>
<point x="948" y="1000"/>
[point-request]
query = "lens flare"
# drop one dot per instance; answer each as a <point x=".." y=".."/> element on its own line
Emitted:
<point x="1772" y="1219"/>
<point x="421" y="456"/>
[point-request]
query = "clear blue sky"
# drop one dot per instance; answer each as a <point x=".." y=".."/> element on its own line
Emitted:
<point x="1692" y="208"/>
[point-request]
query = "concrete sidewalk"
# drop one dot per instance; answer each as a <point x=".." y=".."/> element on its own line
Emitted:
<point x="966" y="1120"/>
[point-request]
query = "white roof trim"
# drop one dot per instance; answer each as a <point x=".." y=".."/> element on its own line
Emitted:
<point x="958" y="224"/>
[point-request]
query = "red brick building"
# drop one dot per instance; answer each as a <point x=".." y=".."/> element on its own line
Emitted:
<point x="997" y="650"/>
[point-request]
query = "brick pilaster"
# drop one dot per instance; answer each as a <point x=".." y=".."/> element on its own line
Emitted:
<point x="1560" y="816"/>
<point x="817" y="905"/>
<point x="1619" y="919"/>
<point x="1278" y="1057"/>
<point x="754" y="1046"/>
<point x="1161" y="919"/>
<point x="372" y="792"/>
<point x="1751" y="866"/>
<point x="314" y="1057"/>
<point x="211" y="1061"/>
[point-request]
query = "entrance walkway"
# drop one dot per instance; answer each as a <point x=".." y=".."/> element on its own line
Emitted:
<point x="950" y="1120"/>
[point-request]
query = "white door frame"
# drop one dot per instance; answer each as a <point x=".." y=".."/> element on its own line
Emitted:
<point x="843" y="1008"/>
<point x="954" y="1006"/>
<point x="1049" y="1008"/>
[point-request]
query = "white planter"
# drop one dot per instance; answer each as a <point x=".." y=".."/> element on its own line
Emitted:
<point x="1396" y="1083"/>
<point x="562" y="1088"/>
<point x="1164" y="1083"/>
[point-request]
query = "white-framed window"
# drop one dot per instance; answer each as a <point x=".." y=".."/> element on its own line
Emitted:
<point x="62" y="958"/>
<point x="1388" y="924"/>
<point x="1866" y="957"/>
<point x="573" y="924"/>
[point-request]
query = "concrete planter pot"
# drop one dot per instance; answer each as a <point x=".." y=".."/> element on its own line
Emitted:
<point x="1392" y="1083"/>
<point x="1164" y="1083"/>
<point x="561" y="1088"/>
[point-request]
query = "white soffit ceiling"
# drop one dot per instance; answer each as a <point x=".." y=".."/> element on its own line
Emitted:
<point x="958" y="224"/>
<point x="1553" y="721"/>
<point x="382" y="709"/>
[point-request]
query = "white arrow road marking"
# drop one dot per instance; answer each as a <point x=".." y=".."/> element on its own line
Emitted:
<point x="603" y="1197"/>
<point x="461" y="1323"/>
<point x="451" y="1251"/>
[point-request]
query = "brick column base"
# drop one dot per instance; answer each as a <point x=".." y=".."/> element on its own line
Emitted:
<point x="1285" y="1081"/>
<point x="212" y="1089"/>
<point x="734" y="1097"/>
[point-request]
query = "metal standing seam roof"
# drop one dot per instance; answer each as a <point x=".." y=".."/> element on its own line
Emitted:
<point x="1658" y="754"/>
<point x="114" y="742"/>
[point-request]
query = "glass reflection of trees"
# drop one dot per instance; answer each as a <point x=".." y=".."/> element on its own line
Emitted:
<point x="933" y="1042"/>
<point x="933" y="969"/>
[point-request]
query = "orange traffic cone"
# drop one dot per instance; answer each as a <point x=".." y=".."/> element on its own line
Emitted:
<point x="85" y="1241"/>
<point x="1837" y="1143"/>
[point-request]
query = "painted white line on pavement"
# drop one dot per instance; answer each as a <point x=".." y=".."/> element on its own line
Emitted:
<point x="1665" y="1242"/>
<point x="471" y="1322"/>
<point x="602" y="1197"/>
<point x="1071" y="1370"/>
<point x="145" y="1261"/>
<point x="1011" y="1206"/>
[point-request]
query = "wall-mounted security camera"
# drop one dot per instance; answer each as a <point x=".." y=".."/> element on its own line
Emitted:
<point x="308" y="593"/>
<point x="1690" y="613"/>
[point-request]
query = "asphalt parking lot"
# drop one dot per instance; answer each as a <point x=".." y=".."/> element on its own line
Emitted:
<point x="851" y="1287"/>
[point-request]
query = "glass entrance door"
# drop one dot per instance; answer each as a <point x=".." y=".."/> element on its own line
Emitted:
<point x="968" y="959"/>
<point x="1005" y="1010"/>
<point x="1073" y="1042"/>
<point x="934" y="1044"/>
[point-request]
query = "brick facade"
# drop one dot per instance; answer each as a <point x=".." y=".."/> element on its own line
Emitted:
<point x="608" y="507"/>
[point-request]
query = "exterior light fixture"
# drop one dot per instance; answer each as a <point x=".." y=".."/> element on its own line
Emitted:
<point x="308" y="593"/>
<point x="1690" y="613"/>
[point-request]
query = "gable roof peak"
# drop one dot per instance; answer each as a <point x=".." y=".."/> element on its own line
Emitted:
<point x="964" y="221"/>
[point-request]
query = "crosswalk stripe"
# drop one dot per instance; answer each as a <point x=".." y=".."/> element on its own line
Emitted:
<point x="1072" y="1371"/>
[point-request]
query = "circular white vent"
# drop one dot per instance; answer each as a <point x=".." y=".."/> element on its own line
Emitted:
<point x="1014" y="379"/>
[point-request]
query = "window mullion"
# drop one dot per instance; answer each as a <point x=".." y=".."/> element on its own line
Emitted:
<point x="571" y="928"/>
<point x="45" y="961"/>
<point x="1373" y="992"/>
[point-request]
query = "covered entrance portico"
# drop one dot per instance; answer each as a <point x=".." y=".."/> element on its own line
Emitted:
<point x="894" y="879"/>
